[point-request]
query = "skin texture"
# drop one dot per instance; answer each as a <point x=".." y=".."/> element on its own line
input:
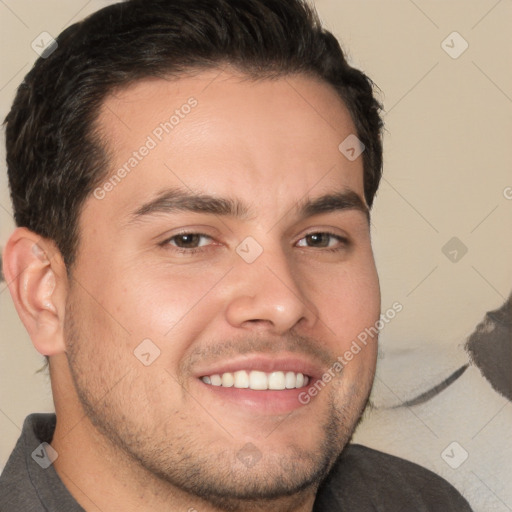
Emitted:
<point x="136" y="437"/>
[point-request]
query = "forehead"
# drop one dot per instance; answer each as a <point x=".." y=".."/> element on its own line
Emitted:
<point x="221" y="133"/>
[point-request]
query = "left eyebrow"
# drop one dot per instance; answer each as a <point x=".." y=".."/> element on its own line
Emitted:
<point x="346" y="200"/>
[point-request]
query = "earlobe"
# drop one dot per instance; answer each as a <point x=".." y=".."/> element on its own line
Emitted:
<point x="36" y="277"/>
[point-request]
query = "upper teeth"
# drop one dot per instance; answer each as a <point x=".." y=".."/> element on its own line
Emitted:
<point x="257" y="380"/>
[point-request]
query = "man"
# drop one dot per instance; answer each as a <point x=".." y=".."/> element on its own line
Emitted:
<point x="192" y="183"/>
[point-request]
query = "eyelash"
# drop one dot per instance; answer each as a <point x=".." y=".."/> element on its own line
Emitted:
<point x="181" y="250"/>
<point x="343" y="242"/>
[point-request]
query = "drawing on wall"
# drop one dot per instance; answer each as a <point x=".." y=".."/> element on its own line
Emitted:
<point x="490" y="348"/>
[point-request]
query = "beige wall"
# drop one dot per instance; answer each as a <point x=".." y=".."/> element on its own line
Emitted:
<point x="448" y="160"/>
<point x="448" y="163"/>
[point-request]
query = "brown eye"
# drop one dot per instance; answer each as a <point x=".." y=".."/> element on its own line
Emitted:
<point x="321" y="240"/>
<point x="189" y="240"/>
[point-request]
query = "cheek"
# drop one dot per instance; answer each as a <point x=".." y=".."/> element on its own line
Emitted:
<point x="349" y="305"/>
<point x="158" y="303"/>
<point x="348" y="300"/>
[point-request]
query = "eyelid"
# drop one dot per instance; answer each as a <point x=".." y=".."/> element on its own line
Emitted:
<point x="196" y="229"/>
<point x="189" y="233"/>
<point x="328" y="230"/>
<point x="342" y="239"/>
<point x="186" y="232"/>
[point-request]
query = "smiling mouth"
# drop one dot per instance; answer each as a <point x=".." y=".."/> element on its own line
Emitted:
<point x="258" y="380"/>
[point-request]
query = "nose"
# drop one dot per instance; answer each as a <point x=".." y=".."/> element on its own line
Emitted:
<point x="267" y="296"/>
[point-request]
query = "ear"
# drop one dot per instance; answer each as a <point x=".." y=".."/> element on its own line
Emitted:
<point x="36" y="276"/>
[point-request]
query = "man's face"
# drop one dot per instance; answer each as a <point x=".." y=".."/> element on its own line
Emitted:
<point x="206" y="248"/>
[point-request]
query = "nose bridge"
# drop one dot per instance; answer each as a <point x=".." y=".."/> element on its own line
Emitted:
<point x="267" y="292"/>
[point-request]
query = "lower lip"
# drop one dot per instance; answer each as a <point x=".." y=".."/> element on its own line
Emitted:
<point x="265" y="401"/>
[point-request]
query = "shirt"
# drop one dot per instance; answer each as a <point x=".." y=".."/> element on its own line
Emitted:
<point x="362" y="480"/>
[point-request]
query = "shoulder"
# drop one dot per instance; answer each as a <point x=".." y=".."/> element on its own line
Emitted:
<point x="29" y="482"/>
<point x="17" y="491"/>
<point x="363" y="479"/>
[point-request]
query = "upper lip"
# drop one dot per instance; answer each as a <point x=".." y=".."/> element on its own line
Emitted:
<point x="263" y="363"/>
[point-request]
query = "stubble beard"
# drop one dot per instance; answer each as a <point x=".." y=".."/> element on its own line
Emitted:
<point x="175" y="458"/>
